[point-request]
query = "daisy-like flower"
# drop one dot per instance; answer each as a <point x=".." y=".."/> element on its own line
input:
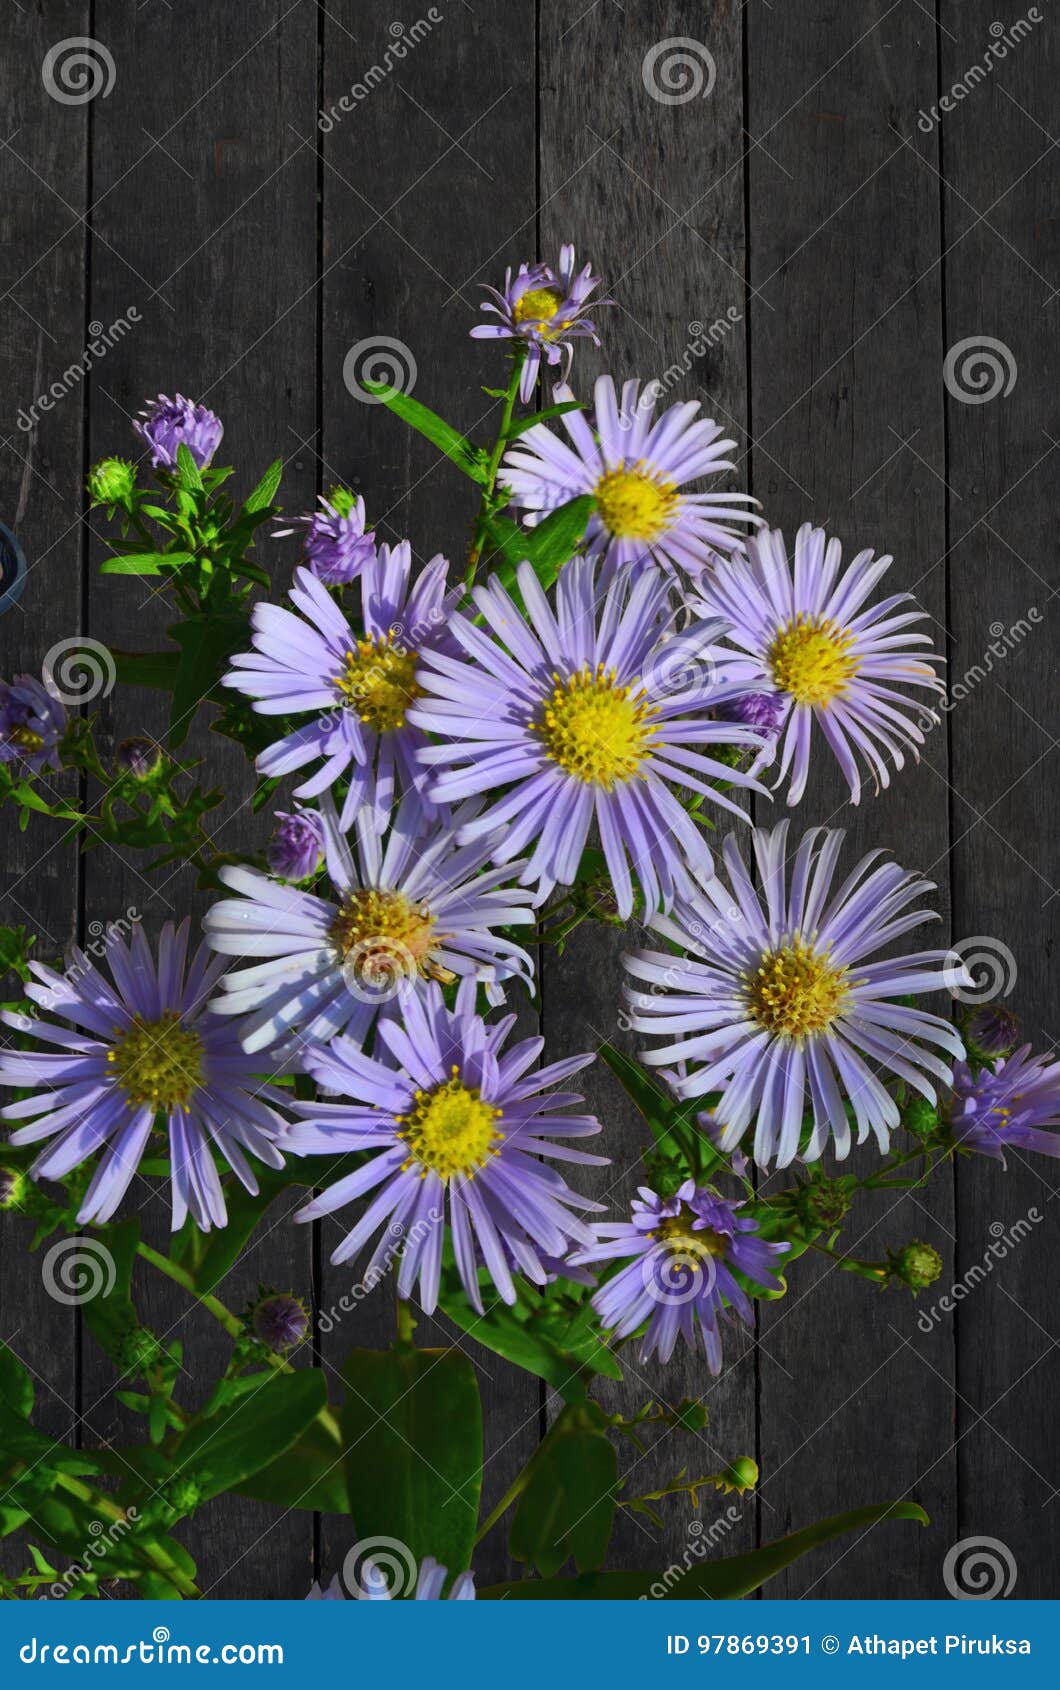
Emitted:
<point x="408" y="907"/>
<point x="167" y="424"/>
<point x="1006" y="1109"/>
<point x="358" y="684"/>
<point x="144" y="1051"/>
<point x="454" y="1128"/>
<point x="635" y="468"/>
<point x="808" y="639"/>
<point x="589" y="712"/>
<point x="336" y="545"/>
<point x="776" y="1007"/>
<point x="679" y="1253"/>
<point x="546" y="310"/>
<point x="32" y="723"/>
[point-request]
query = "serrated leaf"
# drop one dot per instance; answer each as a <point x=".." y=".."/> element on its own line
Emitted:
<point x="265" y="491"/>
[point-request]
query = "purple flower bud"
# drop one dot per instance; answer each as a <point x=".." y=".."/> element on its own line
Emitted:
<point x="762" y="710"/>
<point x="297" y="846"/>
<point x="336" y="545"/>
<point x="991" y="1031"/>
<point x="139" y="757"/>
<point x="169" y="423"/>
<point x="280" y="1321"/>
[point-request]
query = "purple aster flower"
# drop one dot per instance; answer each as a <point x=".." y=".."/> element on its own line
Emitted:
<point x="807" y="637"/>
<point x="170" y="423"/>
<point x="146" y="1052"/>
<point x="280" y="1320"/>
<point x="296" y="849"/>
<point x="32" y="723"/>
<point x="371" y="1583"/>
<point x="592" y="712"/>
<point x="454" y="1128"/>
<point x="762" y="710"/>
<point x="634" y="468"/>
<point x="336" y="545"/>
<point x="409" y="906"/>
<point x="546" y="310"/>
<point x="992" y="1112"/>
<point x="776" y="1006"/>
<point x="358" y="684"/>
<point x="679" y="1253"/>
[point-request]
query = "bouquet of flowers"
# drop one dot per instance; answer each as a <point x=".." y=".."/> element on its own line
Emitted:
<point x="483" y="758"/>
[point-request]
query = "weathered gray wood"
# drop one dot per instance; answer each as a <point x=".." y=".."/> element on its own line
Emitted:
<point x="845" y="352"/>
<point x="422" y="179"/>
<point x="42" y="316"/>
<point x="204" y="217"/>
<point x="1000" y="271"/>
<point x="621" y="173"/>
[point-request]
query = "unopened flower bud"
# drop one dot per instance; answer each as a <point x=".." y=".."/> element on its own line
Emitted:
<point x="138" y="757"/>
<point x="280" y="1321"/>
<point x="917" y="1265"/>
<point x="991" y="1032"/>
<point x="112" y="482"/>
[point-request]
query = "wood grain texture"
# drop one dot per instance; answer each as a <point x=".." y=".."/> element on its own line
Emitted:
<point x="263" y="230"/>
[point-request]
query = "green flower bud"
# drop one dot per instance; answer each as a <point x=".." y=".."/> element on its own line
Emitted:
<point x="663" y="1175"/>
<point x="920" y="1117"/>
<point x="917" y="1265"/>
<point x="342" y="500"/>
<point x="823" y="1203"/>
<point x="740" y="1475"/>
<point x="139" y="1351"/>
<point x="112" y="482"/>
<point x="182" y="1494"/>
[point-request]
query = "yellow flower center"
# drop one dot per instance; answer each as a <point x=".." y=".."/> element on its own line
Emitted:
<point x="27" y="739"/>
<point x="537" y="305"/>
<point x="158" y="1062"/>
<point x="379" y="680"/>
<point x="635" y="505"/>
<point x="595" y="729"/>
<point x="385" y="936"/>
<point x="450" y="1129"/>
<point x="811" y="660"/>
<point x="688" y="1248"/>
<point x="796" y="991"/>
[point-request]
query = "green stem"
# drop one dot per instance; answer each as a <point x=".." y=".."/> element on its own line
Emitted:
<point x="406" y="1322"/>
<point x="154" y="1552"/>
<point x="226" y="1318"/>
<point x="487" y="503"/>
<point x="512" y="1494"/>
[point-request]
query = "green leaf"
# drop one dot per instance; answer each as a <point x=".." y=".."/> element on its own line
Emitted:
<point x="16" y="1385"/>
<point x="724" y="1580"/>
<point x="546" y="548"/>
<point x="147" y="668"/>
<point x="545" y="1333"/>
<point x="111" y="1317"/>
<point x="144" y="563"/>
<point x="207" y="641"/>
<point x="265" y="491"/>
<point x="222" y="1453"/>
<point x="311" y="1474"/>
<point x="568" y="1506"/>
<point x="434" y="428"/>
<point x="412" y="1424"/>
<point x="550" y="411"/>
<point x="188" y="476"/>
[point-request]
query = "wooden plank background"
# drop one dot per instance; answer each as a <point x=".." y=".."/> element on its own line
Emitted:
<point x="854" y="239"/>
